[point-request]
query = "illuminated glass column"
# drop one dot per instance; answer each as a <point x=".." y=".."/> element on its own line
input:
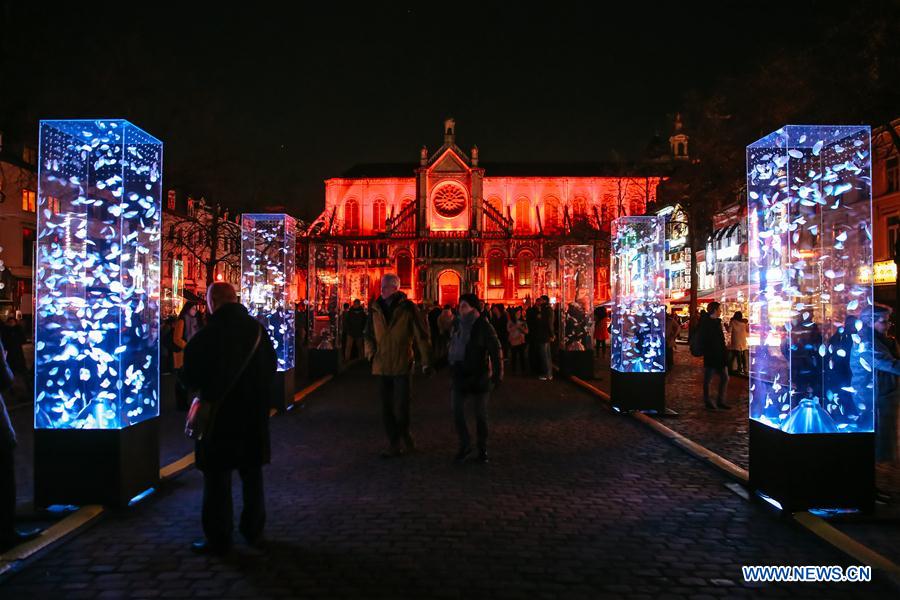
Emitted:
<point x="268" y="251"/>
<point x="97" y="288"/>
<point x="638" y="321"/>
<point x="544" y="281"/>
<point x="575" y="304"/>
<point x="812" y="402"/>
<point x="324" y="311"/>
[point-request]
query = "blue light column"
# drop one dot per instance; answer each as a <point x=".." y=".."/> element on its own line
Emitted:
<point x="97" y="296"/>
<point x="638" y="321"/>
<point x="812" y="400"/>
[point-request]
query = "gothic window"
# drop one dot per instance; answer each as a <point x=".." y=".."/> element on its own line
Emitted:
<point x="495" y="269"/>
<point x="579" y="208"/>
<point x="351" y="216"/>
<point x="523" y="269"/>
<point x="449" y="200"/>
<point x="551" y="214"/>
<point x="523" y="215"/>
<point x="404" y="269"/>
<point x="378" y="215"/>
<point x="497" y="205"/>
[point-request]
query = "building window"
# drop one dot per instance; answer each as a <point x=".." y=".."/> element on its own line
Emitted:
<point x="523" y="215"/>
<point x="351" y="216"/>
<point x="449" y="200"/>
<point x="378" y="215"/>
<point x="495" y="270"/>
<point x="497" y="205"/>
<point x="53" y="205"/>
<point x="523" y="270"/>
<point x="551" y="214"/>
<point x="28" y="239"/>
<point x="170" y="200"/>
<point x="29" y="201"/>
<point x="893" y="226"/>
<point x="892" y="173"/>
<point x="404" y="269"/>
<point x="579" y="208"/>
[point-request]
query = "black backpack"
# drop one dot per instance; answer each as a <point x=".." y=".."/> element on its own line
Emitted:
<point x="695" y="341"/>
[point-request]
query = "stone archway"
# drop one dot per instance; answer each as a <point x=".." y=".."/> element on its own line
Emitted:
<point x="448" y="284"/>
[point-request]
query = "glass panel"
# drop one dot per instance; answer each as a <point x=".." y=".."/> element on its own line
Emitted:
<point x="576" y="297"/>
<point x="324" y="296"/>
<point x="97" y="275"/>
<point x="543" y="279"/>
<point x="268" y="251"/>
<point x="811" y="335"/>
<point x="638" y="321"/>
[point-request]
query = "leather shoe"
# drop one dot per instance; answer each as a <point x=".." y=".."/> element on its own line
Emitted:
<point x="204" y="547"/>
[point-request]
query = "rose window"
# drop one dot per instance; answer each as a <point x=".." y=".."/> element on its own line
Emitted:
<point x="449" y="201"/>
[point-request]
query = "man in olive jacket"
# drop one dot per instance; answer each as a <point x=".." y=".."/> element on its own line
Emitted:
<point x="238" y="435"/>
<point x="392" y="328"/>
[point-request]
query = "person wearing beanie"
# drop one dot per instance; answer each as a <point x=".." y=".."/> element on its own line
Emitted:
<point x="476" y="367"/>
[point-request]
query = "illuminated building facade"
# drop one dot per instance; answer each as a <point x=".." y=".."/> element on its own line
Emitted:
<point x="453" y="224"/>
<point x="18" y="197"/>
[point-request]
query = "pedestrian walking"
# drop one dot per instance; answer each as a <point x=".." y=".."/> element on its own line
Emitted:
<point x="887" y="389"/>
<point x="186" y="327"/>
<point x="601" y="331"/>
<point x="355" y="321"/>
<point x="500" y="320"/>
<point x="14" y="338"/>
<point x="476" y="367"/>
<point x="9" y="535"/>
<point x="517" y="330"/>
<point x="393" y="328"/>
<point x="673" y="327"/>
<point x="739" y="328"/>
<point x="540" y="336"/>
<point x="231" y="365"/>
<point x="715" y="354"/>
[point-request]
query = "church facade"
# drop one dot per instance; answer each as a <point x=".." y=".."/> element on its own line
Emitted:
<point x="451" y="223"/>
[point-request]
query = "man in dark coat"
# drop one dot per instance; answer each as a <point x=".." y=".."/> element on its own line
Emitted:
<point x="540" y="335"/>
<point x="715" y="354"/>
<point x="221" y="363"/>
<point x="9" y="536"/>
<point x="476" y="366"/>
<point x="355" y="321"/>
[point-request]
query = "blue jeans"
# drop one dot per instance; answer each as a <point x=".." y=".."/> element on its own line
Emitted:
<point x="708" y="373"/>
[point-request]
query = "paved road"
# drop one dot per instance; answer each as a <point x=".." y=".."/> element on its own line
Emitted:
<point x="576" y="503"/>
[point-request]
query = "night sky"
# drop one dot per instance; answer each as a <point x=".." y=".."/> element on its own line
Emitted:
<point x="257" y="106"/>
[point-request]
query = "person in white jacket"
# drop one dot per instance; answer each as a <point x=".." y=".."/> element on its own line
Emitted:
<point x="739" y="328"/>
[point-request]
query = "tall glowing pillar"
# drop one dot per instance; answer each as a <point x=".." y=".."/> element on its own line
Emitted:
<point x="638" y="321"/>
<point x="812" y="400"/>
<point x="268" y="256"/>
<point x="575" y="305"/>
<point x="97" y="287"/>
<point x="324" y="310"/>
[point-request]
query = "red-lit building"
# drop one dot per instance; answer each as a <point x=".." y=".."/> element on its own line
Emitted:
<point x="451" y="223"/>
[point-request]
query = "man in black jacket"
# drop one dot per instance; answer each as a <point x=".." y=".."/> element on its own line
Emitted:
<point x="355" y="322"/>
<point x="231" y="362"/>
<point x="476" y="366"/>
<point x="715" y="354"/>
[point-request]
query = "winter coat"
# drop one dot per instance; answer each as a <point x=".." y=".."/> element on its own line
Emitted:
<point x="887" y="392"/>
<point x="239" y="435"/>
<point x="739" y="330"/>
<point x="482" y="367"/>
<point x="7" y="433"/>
<point x="356" y="322"/>
<point x="13" y="339"/>
<point x="540" y="324"/>
<point x="185" y="329"/>
<point x="715" y="353"/>
<point x="391" y="330"/>
<point x="517" y="329"/>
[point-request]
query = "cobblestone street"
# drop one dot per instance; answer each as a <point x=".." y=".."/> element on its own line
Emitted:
<point x="576" y="502"/>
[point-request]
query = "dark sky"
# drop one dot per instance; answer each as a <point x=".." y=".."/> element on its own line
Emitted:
<point x="258" y="105"/>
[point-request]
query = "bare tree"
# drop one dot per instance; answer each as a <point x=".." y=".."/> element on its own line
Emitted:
<point x="207" y="234"/>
